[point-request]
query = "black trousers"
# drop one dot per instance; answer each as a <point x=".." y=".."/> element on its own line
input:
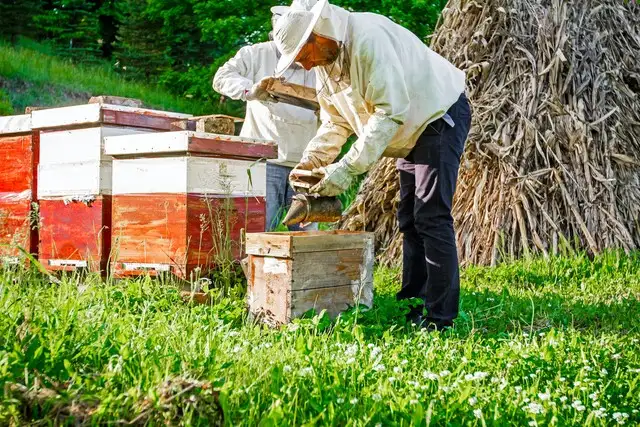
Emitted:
<point x="428" y="176"/>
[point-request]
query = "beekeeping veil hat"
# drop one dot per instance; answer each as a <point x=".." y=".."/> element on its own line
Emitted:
<point x="292" y="31"/>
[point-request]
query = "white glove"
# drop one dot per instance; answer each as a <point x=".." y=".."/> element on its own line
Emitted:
<point x="258" y="91"/>
<point x="337" y="179"/>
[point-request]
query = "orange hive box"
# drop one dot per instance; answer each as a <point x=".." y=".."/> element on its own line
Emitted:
<point x="181" y="199"/>
<point x="291" y="273"/>
<point x="18" y="184"/>
<point x="75" y="178"/>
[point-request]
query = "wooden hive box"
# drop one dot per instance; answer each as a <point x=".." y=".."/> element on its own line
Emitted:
<point x="181" y="199"/>
<point x="291" y="273"/>
<point x="18" y="186"/>
<point x="75" y="177"/>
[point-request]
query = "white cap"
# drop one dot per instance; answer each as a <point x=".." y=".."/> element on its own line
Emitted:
<point x="279" y="10"/>
<point x="292" y="32"/>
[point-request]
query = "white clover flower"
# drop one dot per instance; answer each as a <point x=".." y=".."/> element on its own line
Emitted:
<point x="544" y="396"/>
<point x="518" y="389"/>
<point x="620" y="417"/>
<point x="305" y="372"/>
<point x="563" y="399"/>
<point x="430" y="375"/>
<point x="237" y="349"/>
<point x="376" y="397"/>
<point x="413" y="402"/>
<point x="397" y="370"/>
<point x="600" y="413"/>
<point x="473" y="401"/>
<point x="616" y="357"/>
<point x="354" y="401"/>
<point x="379" y="367"/>
<point x="532" y="375"/>
<point x="534" y="408"/>
<point x="392" y="379"/>
<point x="370" y="345"/>
<point x="595" y="404"/>
<point x="339" y="401"/>
<point x="527" y="400"/>
<point x="588" y="368"/>
<point x="286" y="368"/>
<point x="562" y="379"/>
<point x="578" y="406"/>
<point x="524" y="334"/>
<point x="351" y="350"/>
<point x="477" y="413"/>
<point x="495" y="380"/>
<point x="445" y="373"/>
<point x="464" y="360"/>
<point x="604" y="372"/>
<point x="446" y="389"/>
<point x="593" y="396"/>
<point x="375" y="351"/>
<point x="351" y="360"/>
<point x="533" y="423"/>
<point x="553" y="342"/>
<point x="576" y="383"/>
<point x="503" y="384"/>
<point x="634" y="411"/>
<point x="404" y="362"/>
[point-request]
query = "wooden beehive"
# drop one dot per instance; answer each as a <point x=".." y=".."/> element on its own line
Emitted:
<point x="18" y="184"/>
<point x="181" y="199"/>
<point x="294" y="94"/>
<point x="291" y="273"/>
<point x="75" y="178"/>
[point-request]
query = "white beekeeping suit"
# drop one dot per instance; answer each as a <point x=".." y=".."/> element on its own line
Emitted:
<point x="291" y="127"/>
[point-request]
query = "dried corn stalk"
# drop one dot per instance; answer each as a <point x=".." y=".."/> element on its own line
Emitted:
<point x="553" y="157"/>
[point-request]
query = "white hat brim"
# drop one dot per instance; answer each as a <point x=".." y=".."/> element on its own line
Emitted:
<point x="286" y="60"/>
<point x="279" y="10"/>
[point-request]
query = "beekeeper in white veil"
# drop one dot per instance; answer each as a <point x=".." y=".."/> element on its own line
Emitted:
<point x="378" y="80"/>
<point x="245" y="77"/>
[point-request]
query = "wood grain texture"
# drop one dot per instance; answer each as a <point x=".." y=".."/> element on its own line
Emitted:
<point x="215" y="123"/>
<point x="294" y="94"/>
<point x="115" y="100"/>
<point x="285" y="283"/>
<point x="184" y="231"/>
<point x="13" y="125"/>
<point x="15" y="228"/>
<point x="75" y="231"/>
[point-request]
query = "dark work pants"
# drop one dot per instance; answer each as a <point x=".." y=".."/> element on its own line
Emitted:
<point x="428" y="178"/>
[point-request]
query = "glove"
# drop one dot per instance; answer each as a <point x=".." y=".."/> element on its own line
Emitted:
<point x="258" y="91"/>
<point x="337" y="179"/>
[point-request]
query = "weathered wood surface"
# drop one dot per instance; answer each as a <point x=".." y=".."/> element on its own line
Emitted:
<point x="216" y="123"/>
<point x="187" y="142"/>
<point x="294" y="94"/>
<point x="180" y="232"/>
<point x="75" y="231"/>
<point x="328" y="271"/>
<point x="287" y="244"/>
<point x="115" y="100"/>
<point x="94" y="114"/>
<point x="18" y="157"/>
<point x="15" y="228"/>
<point x="11" y="125"/>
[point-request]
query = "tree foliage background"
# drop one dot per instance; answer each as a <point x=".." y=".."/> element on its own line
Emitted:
<point x="178" y="44"/>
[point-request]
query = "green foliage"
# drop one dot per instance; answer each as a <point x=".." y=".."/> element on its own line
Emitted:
<point x="16" y="18"/>
<point x="542" y="342"/>
<point x="6" y="108"/>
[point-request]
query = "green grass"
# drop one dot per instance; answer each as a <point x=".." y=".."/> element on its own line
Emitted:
<point x="543" y="342"/>
<point x="36" y="77"/>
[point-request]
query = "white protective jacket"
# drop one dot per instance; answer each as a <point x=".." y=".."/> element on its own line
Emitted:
<point x="291" y="127"/>
<point x="387" y="86"/>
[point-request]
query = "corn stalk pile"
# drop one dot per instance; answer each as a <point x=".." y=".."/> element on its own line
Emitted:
<point x="553" y="157"/>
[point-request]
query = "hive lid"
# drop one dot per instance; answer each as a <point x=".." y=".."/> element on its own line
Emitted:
<point x="15" y="124"/>
<point x="286" y="244"/>
<point x="190" y="143"/>
<point x="119" y="115"/>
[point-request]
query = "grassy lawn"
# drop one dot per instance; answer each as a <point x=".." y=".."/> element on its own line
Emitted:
<point x="33" y="76"/>
<point x="544" y="342"/>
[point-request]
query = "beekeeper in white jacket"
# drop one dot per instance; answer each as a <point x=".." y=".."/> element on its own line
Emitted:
<point x="378" y="80"/>
<point x="244" y="77"/>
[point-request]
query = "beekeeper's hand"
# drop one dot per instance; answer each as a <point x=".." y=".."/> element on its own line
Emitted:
<point x="337" y="179"/>
<point x="258" y="91"/>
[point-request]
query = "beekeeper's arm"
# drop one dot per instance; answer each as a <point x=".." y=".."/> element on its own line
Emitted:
<point x="330" y="137"/>
<point x="381" y="81"/>
<point x="235" y="78"/>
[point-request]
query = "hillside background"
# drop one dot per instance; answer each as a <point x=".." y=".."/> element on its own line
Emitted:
<point x="165" y="52"/>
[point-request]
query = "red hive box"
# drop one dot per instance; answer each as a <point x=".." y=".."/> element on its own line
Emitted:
<point x="182" y="199"/>
<point x="75" y="176"/>
<point x="18" y="157"/>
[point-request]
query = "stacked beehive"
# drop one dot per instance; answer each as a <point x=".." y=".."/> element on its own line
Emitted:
<point x="182" y="199"/>
<point x="75" y="179"/>
<point x="18" y="157"/>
